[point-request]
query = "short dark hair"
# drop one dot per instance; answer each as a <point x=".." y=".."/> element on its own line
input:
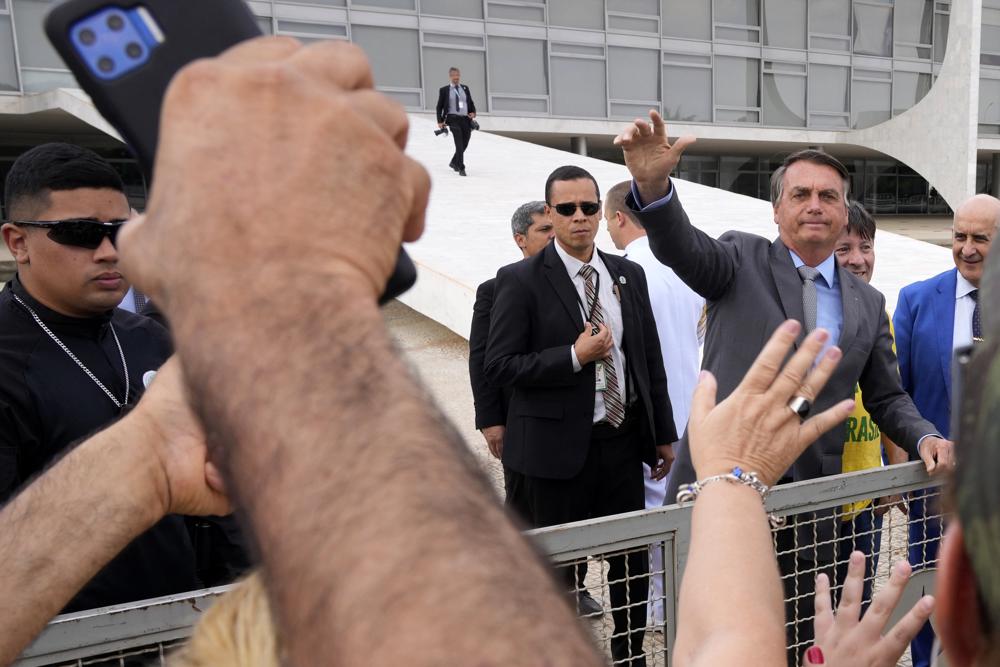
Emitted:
<point x="569" y="172"/>
<point x="454" y="69"/>
<point x="521" y="221"/>
<point x="860" y="221"/>
<point x="616" y="201"/>
<point x="54" y="167"/>
<point x="815" y="156"/>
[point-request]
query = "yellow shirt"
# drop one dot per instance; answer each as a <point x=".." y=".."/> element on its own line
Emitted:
<point x="862" y="445"/>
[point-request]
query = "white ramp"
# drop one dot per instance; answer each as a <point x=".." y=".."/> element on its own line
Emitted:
<point x="468" y="222"/>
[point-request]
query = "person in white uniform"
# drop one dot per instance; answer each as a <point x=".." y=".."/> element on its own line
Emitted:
<point x="678" y="311"/>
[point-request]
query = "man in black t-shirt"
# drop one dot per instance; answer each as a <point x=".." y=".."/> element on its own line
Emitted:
<point x="70" y="361"/>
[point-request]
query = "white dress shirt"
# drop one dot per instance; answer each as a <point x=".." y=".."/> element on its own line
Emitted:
<point x="964" y="307"/>
<point x="677" y="310"/>
<point x="612" y="309"/>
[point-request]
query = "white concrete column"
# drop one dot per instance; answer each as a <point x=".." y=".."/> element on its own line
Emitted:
<point x="937" y="136"/>
<point x="578" y="145"/>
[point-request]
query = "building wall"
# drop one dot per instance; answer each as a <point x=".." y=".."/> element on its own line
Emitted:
<point x="742" y="67"/>
<point x="830" y="64"/>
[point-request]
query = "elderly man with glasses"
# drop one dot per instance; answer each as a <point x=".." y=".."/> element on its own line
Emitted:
<point x="70" y="362"/>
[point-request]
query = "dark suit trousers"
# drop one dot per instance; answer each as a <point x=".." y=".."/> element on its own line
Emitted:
<point x="610" y="483"/>
<point x="798" y="578"/>
<point x="461" y="132"/>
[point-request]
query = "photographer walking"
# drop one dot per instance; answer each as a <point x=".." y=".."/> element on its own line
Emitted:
<point x="456" y="109"/>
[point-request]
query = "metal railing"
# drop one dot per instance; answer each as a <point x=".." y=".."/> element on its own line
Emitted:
<point x="631" y="564"/>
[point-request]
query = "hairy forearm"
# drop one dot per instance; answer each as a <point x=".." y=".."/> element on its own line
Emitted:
<point x="728" y="617"/>
<point x="366" y="507"/>
<point x="66" y="507"/>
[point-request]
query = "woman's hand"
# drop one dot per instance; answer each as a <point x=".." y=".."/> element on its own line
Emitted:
<point x="843" y="639"/>
<point x="754" y="427"/>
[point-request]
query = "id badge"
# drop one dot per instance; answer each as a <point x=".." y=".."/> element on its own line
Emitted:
<point x="461" y="105"/>
<point x="602" y="378"/>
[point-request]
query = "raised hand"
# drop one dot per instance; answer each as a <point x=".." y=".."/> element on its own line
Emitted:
<point x="649" y="155"/>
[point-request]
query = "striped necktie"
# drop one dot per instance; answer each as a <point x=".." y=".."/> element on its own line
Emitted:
<point x="613" y="404"/>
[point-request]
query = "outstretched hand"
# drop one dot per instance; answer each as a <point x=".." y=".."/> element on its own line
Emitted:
<point x="649" y="155"/>
<point x="754" y="428"/>
<point x="845" y="639"/>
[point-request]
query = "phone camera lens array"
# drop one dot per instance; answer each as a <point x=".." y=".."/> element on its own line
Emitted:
<point x="111" y="42"/>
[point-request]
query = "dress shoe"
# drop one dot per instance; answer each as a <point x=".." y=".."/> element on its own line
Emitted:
<point x="461" y="172"/>
<point x="453" y="166"/>
<point x="587" y="605"/>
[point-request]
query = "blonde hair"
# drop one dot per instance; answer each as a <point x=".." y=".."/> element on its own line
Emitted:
<point x="236" y="631"/>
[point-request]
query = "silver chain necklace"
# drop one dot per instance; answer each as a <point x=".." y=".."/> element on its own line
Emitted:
<point x="38" y="320"/>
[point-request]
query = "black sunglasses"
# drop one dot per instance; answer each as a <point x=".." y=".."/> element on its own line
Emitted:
<point x="588" y="208"/>
<point x="78" y="232"/>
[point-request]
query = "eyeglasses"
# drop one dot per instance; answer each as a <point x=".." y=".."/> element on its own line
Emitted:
<point x="77" y="232"/>
<point x="568" y="209"/>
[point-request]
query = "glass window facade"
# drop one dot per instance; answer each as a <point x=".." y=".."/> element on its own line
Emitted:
<point x="871" y="92"/>
<point x="825" y="64"/>
<point x="689" y="77"/>
<point x="577" y="13"/>
<point x="914" y="25"/>
<point x="908" y="88"/>
<point x="683" y="18"/>
<point x="829" y="100"/>
<point x="32" y="44"/>
<point x="785" y="23"/>
<point x="470" y="9"/>
<point x="687" y="87"/>
<point x="633" y="74"/>
<point x="392" y="67"/>
<point x="8" y="64"/>
<point x="737" y="90"/>
<point x="579" y="87"/>
<point x="830" y="25"/>
<point x="518" y="66"/>
<point x="388" y="4"/>
<point x="784" y="94"/>
<point x="882" y="186"/>
<point x="873" y="29"/>
<point x="738" y="12"/>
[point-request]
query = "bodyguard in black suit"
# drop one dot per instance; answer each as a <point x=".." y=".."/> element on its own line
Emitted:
<point x="456" y="109"/>
<point x="572" y="335"/>
<point x="532" y="231"/>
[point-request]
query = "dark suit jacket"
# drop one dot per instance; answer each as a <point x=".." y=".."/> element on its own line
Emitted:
<point x="491" y="401"/>
<point x="925" y="327"/>
<point x="442" y="105"/>
<point x="752" y="286"/>
<point x="536" y="319"/>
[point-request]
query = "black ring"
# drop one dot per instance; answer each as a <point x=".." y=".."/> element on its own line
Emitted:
<point x="801" y="406"/>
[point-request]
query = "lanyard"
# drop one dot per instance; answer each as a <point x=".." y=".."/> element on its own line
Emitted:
<point x="589" y="312"/>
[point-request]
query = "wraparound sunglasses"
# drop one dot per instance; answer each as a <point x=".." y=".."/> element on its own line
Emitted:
<point x="77" y="232"/>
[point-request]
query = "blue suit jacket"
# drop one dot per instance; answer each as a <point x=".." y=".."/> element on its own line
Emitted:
<point x="924" y="322"/>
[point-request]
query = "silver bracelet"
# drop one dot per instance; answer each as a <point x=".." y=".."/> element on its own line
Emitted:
<point x="689" y="492"/>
